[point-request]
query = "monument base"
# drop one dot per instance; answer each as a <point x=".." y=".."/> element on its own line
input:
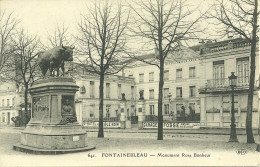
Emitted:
<point x="53" y="139"/>
<point x="53" y="127"/>
<point x="33" y="150"/>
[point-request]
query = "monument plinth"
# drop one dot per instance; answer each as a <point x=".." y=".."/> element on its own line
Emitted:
<point x="53" y="127"/>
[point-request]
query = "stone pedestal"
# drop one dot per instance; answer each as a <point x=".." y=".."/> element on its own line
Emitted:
<point x="141" y="113"/>
<point x="123" y="114"/>
<point x="140" y="120"/>
<point x="53" y="127"/>
<point x="123" y="120"/>
<point x="128" y="124"/>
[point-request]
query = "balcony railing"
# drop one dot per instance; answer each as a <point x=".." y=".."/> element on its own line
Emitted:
<point x="224" y="83"/>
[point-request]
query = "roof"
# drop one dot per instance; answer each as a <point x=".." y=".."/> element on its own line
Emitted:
<point x="210" y="46"/>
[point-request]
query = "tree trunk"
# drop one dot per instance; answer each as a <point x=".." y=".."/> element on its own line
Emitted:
<point x="101" y="101"/>
<point x="26" y="116"/>
<point x="160" y="101"/>
<point x="249" y="131"/>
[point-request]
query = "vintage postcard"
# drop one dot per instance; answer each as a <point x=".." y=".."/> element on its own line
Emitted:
<point x="129" y="83"/>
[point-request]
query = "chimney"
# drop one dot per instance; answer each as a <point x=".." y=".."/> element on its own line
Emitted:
<point x="230" y="35"/>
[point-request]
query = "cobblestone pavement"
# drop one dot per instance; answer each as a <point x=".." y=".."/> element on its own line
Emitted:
<point x="175" y="149"/>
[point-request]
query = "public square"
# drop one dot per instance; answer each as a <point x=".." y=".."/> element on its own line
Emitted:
<point x="129" y="83"/>
<point x="117" y="142"/>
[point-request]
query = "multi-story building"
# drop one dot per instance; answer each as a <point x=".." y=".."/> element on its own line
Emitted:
<point x="11" y="98"/>
<point x="218" y="60"/>
<point x="87" y="98"/>
<point x="181" y="82"/>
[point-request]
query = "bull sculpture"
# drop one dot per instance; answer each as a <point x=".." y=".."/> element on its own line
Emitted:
<point x="54" y="59"/>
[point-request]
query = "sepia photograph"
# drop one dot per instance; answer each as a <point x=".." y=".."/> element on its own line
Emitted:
<point x="129" y="83"/>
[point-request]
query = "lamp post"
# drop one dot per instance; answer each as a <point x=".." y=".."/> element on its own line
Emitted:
<point x="169" y="97"/>
<point x="232" y="83"/>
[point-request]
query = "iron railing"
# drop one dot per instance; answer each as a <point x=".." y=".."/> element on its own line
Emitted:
<point x="224" y="83"/>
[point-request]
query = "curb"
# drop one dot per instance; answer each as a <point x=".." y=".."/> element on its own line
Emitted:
<point x="173" y="132"/>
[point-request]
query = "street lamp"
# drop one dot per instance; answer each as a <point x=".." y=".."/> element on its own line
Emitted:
<point x="232" y="83"/>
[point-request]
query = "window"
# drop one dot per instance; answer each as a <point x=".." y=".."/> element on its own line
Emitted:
<point x="192" y="72"/>
<point x="92" y="89"/>
<point x="179" y="73"/>
<point x="166" y="75"/>
<point x="141" y="94"/>
<point x="3" y="117"/>
<point x="3" y="102"/>
<point x="151" y="94"/>
<point x="92" y="111"/>
<point x="130" y="75"/>
<point x="192" y="91"/>
<point x="108" y="111"/>
<point x="132" y="92"/>
<point x="108" y="90"/>
<point x="218" y="73"/>
<point x="141" y="78"/>
<point x="82" y="90"/>
<point x="165" y="92"/>
<point x="13" y="101"/>
<point x="83" y="72"/>
<point x="166" y="109"/>
<point x="119" y="91"/>
<point x="243" y="70"/>
<point x="179" y="92"/>
<point x="179" y="109"/>
<point x="151" y="76"/>
<point x="8" y="102"/>
<point x="151" y="109"/>
<point x="192" y="108"/>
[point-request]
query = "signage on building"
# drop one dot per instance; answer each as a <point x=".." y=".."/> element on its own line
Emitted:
<point x="105" y="124"/>
<point x="171" y="125"/>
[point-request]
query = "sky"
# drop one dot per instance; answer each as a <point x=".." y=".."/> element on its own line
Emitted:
<point x="41" y="16"/>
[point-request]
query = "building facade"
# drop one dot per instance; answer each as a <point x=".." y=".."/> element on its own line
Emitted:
<point x="181" y="83"/>
<point x="117" y="89"/>
<point x="219" y="59"/>
<point x="11" y="98"/>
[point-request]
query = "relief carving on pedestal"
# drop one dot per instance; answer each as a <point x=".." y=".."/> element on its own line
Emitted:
<point x="40" y="108"/>
<point x="67" y="109"/>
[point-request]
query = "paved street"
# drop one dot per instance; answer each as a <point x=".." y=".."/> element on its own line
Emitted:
<point x="158" y="152"/>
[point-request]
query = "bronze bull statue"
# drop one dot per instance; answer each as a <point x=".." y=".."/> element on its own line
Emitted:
<point x="54" y="59"/>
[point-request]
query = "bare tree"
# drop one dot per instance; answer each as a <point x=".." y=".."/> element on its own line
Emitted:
<point x="23" y="68"/>
<point x="163" y="24"/>
<point x="8" y="24"/>
<point x="102" y="40"/>
<point x="239" y="17"/>
<point x="60" y="36"/>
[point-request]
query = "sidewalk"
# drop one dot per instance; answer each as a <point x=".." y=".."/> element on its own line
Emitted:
<point x="211" y="131"/>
